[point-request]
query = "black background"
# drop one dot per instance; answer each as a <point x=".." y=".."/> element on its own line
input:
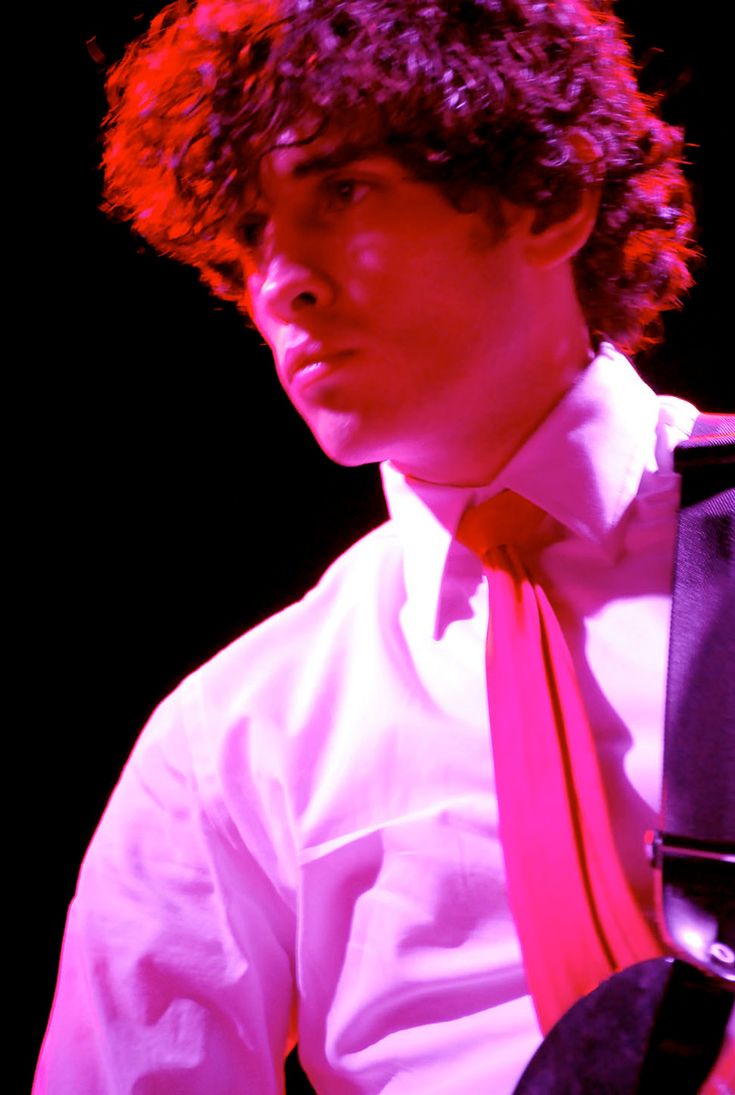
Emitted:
<point x="168" y="497"/>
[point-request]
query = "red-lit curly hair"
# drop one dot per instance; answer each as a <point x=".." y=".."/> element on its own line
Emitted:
<point x="463" y="92"/>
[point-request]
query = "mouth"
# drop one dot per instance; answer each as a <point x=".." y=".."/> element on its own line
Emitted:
<point x="312" y="359"/>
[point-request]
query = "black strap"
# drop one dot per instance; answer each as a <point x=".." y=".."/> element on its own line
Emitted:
<point x="696" y="849"/>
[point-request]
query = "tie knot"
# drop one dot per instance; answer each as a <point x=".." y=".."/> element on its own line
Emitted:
<point x="506" y="518"/>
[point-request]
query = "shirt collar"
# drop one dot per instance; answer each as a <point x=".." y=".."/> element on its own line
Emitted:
<point x="582" y="465"/>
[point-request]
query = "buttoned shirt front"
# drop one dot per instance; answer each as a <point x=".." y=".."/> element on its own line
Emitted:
<point x="304" y="844"/>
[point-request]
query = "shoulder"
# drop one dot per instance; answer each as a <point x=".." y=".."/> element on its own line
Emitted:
<point x="360" y="587"/>
<point x="220" y="744"/>
<point x="682" y="426"/>
<point x="261" y="683"/>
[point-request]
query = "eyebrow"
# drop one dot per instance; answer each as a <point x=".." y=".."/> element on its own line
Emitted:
<point x="330" y="161"/>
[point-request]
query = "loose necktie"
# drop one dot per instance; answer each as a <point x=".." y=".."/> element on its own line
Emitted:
<point x="576" y="915"/>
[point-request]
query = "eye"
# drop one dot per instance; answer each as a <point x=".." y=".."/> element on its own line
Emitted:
<point x="343" y="191"/>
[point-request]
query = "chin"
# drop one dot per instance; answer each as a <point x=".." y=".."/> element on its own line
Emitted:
<point x="348" y="458"/>
<point x="349" y="447"/>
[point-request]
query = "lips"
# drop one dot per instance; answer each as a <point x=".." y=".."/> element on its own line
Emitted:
<point x="308" y="355"/>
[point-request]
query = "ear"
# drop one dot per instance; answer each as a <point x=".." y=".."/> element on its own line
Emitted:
<point x="563" y="239"/>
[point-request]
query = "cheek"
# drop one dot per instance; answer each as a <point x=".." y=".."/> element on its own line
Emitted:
<point x="367" y="270"/>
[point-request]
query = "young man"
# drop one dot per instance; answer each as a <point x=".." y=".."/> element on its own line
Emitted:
<point x="441" y="216"/>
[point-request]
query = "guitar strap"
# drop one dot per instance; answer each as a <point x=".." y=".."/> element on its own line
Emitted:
<point x="694" y="852"/>
<point x="659" y="1025"/>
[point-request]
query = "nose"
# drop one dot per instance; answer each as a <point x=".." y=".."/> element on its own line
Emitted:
<point x="293" y="286"/>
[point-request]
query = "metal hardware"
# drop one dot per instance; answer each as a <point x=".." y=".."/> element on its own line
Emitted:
<point x="660" y="845"/>
<point x="722" y="953"/>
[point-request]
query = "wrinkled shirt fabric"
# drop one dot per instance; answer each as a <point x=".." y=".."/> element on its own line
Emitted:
<point x="304" y="843"/>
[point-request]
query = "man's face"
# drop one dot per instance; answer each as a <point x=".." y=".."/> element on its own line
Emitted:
<point x="399" y="325"/>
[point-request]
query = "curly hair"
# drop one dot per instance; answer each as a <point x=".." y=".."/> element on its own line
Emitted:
<point x="535" y="99"/>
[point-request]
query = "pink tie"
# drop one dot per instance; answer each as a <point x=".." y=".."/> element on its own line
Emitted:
<point x="575" y="912"/>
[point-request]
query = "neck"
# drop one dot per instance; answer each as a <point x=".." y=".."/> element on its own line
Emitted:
<point x="473" y="449"/>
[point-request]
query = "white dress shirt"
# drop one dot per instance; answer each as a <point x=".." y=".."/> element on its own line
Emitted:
<point x="304" y="843"/>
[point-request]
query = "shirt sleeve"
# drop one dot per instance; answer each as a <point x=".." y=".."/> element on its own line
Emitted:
<point x="177" y="970"/>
